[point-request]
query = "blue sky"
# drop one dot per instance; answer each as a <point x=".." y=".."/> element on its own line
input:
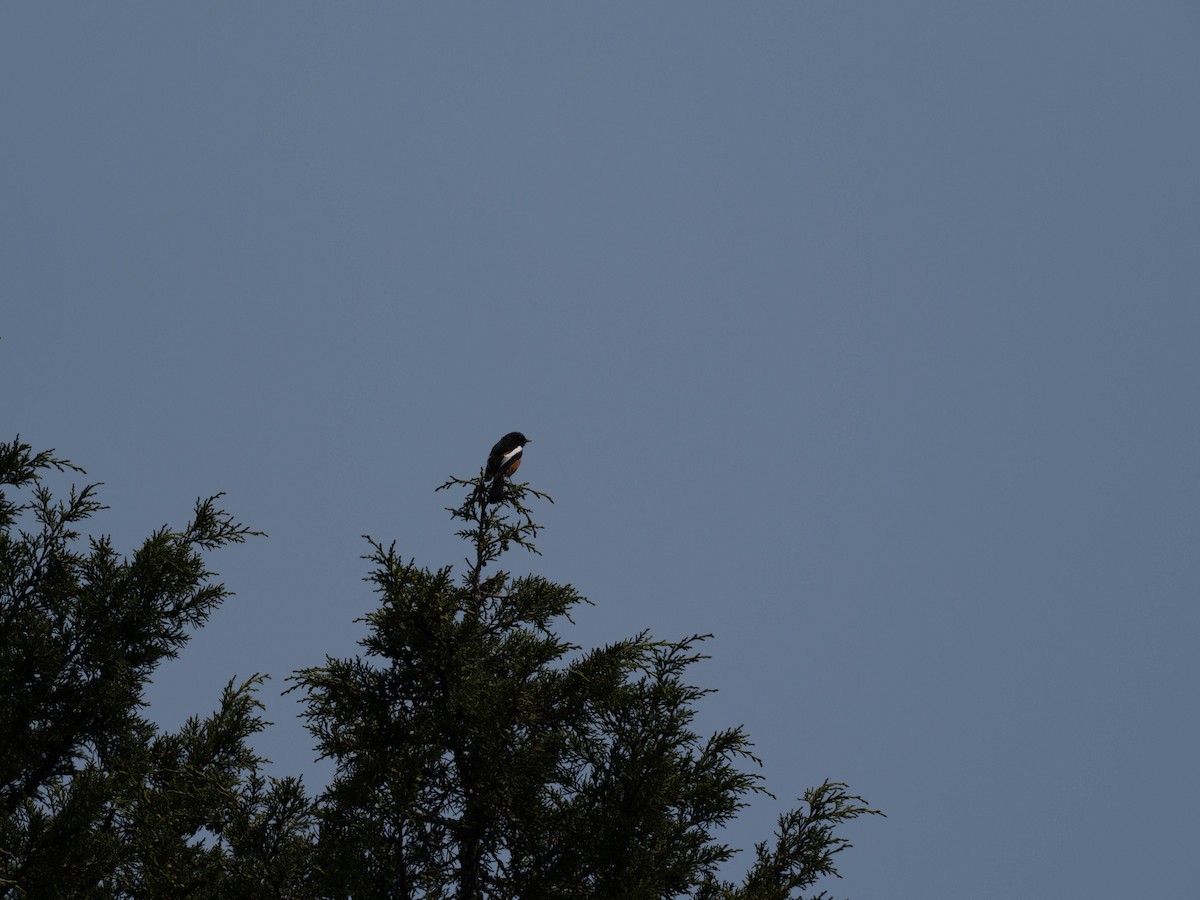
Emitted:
<point x="861" y="335"/>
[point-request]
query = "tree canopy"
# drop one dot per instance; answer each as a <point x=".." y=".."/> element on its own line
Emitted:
<point x="478" y="754"/>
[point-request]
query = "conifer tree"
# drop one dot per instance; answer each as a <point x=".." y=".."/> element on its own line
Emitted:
<point x="478" y="754"/>
<point x="96" y="801"/>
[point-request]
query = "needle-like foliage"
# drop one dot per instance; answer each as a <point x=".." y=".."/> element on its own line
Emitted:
<point x="96" y="801"/>
<point x="478" y="753"/>
<point x="481" y="755"/>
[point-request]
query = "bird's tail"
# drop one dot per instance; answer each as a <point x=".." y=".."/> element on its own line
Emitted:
<point x="496" y="494"/>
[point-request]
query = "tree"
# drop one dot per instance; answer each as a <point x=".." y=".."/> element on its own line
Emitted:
<point x="96" y="801"/>
<point x="480" y="755"/>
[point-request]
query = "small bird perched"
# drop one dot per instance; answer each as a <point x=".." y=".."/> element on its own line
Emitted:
<point x="504" y="459"/>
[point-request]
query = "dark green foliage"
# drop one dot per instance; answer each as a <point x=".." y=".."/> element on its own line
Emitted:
<point x="477" y="753"/>
<point x="803" y="850"/>
<point x="96" y="801"/>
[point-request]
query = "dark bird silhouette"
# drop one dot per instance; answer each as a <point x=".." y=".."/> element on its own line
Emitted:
<point x="503" y="461"/>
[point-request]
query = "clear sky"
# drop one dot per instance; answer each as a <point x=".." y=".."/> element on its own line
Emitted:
<point x="862" y="335"/>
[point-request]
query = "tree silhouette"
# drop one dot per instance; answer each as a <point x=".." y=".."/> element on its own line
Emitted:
<point x="477" y="752"/>
<point x="96" y="801"/>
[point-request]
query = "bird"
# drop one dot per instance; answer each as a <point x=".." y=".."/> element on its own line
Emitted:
<point x="504" y="459"/>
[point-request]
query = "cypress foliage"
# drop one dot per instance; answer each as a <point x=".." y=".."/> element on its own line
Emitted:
<point x="96" y="801"/>
<point x="478" y="754"/>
